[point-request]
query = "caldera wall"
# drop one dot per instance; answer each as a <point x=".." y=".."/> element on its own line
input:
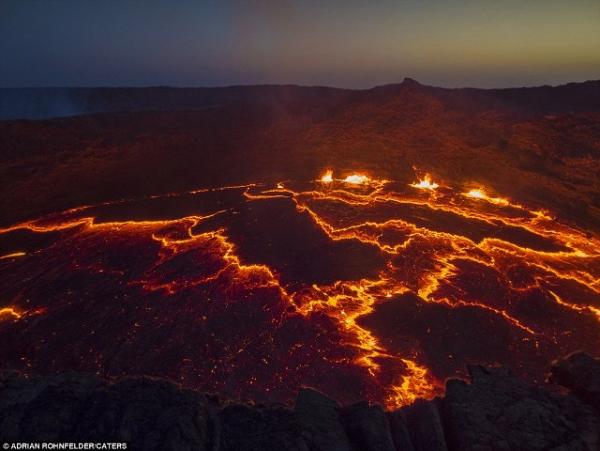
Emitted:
<point x="494" y="410"/>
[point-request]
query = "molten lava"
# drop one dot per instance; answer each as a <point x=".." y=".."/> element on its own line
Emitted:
<point x="425" y="183"/>
<point x="9" y="313"/>
<point x="253" y="291"/>
<point x="327" y="177"/>
<point x="12" y="255"/>
<point x="481" y="194"/>
<point x="357" y="179"/>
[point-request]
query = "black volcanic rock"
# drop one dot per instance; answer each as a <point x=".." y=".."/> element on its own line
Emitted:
<point x="497" y="411"/>
<point x="320" y="422"/>
<point x="400" y="432"/>
<point x="268" y="428"/>
<point x="425" y="426"/>
<point x="150" y="414"/>
<point x="368" y="427"/>
<point x="580" y="373"/>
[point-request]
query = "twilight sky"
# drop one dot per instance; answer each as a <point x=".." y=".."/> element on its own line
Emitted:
<point x="345" y="43"/>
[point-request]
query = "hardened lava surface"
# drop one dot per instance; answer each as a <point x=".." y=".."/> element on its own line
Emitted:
<point x="359" y="287"/>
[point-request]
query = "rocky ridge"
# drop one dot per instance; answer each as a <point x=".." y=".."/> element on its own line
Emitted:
<point x="493" y="411"/>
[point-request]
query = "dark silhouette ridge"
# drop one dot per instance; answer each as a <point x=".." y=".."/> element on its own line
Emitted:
<point x="41" y="103"/>
<point x="493" y="411"/>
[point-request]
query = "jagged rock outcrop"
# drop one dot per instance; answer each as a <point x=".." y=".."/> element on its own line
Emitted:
<point x="424" y="424"/>
<point x="400" y="433"/>
<point x="580" y="373"/>
<point x="253" y="428"/>
<point x="319" y="418"/>
<point x="368" y="427"/>
<point x="148" y="413"/>
<point x="497" y="411"/>
<point x="493" y="411"/>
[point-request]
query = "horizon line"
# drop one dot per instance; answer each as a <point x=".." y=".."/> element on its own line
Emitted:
<point x="297" y="85"/>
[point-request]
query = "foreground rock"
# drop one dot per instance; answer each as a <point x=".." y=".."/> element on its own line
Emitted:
<point x="320" y="421"/>
<point x="368" y="427"/>
<point x="493" y="411"/>
<point x="580" y="373"/>
<point x="148" y="413"/>
<point x="268" y="428"/>
<point x="424" y="424"/>
<point x="497" y="411"/>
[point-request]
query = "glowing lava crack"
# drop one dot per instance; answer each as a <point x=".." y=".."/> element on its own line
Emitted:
<point x="393" y="289"/>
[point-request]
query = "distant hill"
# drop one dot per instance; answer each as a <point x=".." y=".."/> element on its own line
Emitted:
<point x="43" y="103"/>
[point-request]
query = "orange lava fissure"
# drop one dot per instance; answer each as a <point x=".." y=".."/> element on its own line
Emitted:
<point x="419" y="261"/>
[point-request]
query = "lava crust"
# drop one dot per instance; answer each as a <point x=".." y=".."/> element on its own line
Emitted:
<point x="358" y="286"/>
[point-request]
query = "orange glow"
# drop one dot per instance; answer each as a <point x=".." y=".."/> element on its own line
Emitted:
<point x="416" y="384"/>
<point x="479" y="193"/>
<point x="476" y="194"/>
<point x="13" y="255"/>
<point x="578" y="308"/>
<point x="327" y="177"/>
<point x="357" y="179"/>
<point x="425" y="183"/>
<point x="9" y="312"/>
